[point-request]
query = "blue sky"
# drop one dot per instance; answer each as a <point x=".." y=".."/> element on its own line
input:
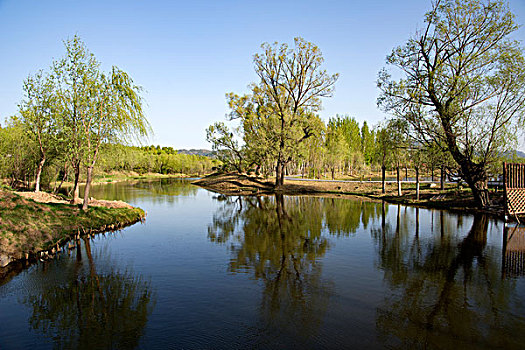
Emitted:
<point x="188" y="54"/>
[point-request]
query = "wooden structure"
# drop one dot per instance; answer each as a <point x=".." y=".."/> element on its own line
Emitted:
<point x="513" y="264"/>
<point x="514" y="186"/>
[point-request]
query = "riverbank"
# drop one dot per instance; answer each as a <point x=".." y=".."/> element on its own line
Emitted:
<point x="38" y="225"/>
<point x="452" y="198"/>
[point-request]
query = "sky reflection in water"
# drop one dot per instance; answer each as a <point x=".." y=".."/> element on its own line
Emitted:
<point x="210" y="271"/>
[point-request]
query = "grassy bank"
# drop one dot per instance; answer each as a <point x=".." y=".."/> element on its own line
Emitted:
<point x="28" y="228"/>
<point x="452" y="198"/>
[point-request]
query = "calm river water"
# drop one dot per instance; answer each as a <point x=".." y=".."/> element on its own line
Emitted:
<point x="206" y="271"/>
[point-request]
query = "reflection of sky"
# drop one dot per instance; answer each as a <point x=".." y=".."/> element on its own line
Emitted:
<point x="201" y="303"/>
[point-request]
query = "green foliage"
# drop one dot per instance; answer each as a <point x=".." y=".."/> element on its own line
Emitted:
<point x="279" y="114"/>
<point x="367" y="143"/>
<point x="18" y="153"/>
<point x="67" y="114"/>
<point x="151" y="159"/>
<point x="226" y="146"/>
<point x="462" y="86"/>
<point x="336" y="147"/>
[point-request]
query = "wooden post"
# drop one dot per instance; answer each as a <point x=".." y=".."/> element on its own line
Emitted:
<point x="399" y="193"/>
<point x="505" y="188"/>
<point x="383" y="175"/>
<point x="417" y="182"/>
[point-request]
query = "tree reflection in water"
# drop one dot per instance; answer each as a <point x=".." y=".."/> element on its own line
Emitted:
<point x="168" y="190"/>
<point x="92" y="310"/>
<point x="281" y="246"/>
<point x="443" y="282"/>
<point x="447" y="291"/>
<point x="280" y="239"/>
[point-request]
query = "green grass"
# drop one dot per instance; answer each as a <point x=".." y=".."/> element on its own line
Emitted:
<point x="28" y="226"/>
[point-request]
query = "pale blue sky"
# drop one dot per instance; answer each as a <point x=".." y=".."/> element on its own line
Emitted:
<point x="188" y="54"/>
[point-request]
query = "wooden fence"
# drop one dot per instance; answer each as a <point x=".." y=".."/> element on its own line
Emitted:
<point x="514" y="184"/>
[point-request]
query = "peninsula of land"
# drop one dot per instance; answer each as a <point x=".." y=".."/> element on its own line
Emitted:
<point x="37" y="226"/>
<point x="451" y="198"/>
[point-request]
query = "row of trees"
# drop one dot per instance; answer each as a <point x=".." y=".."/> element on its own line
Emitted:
<point x="20" y="159"/>
<point x="151" y="159"/>
<point x="341" y="146"/>
<point x="460" y="99"/>
<point x="69" y="113"/>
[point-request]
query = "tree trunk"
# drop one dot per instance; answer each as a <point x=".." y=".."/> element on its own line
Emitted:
<point x="477" y="181"/>
<point x="406" y="173"/>
<point x="76" y="168"/>
<point x="282" y="174"/>
<point x="63" y="179"/>
<point x="473" y="173"/>
<point x="383" y="175"/>
<point x="39" y="173"/>
<point x="432" y="175"/>
<point x="417" y="182"/>
<point x="279" y="177"/>
<point x="399" y="193"/>
<point x="333" y="173"/>
<point x="476" y="178"/>
<point x="442" y="180"/>
<point x="87" y="188"/>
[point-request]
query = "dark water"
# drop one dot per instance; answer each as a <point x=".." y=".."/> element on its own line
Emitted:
<point x="208" y="272"/>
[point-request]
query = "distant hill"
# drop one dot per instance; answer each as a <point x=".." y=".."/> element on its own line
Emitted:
<point x="520" y="154"/>
<point x="513" y="154"/>
<point x="198" y="152"/>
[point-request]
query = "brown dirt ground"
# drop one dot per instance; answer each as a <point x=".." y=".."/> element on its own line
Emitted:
<point x="451" y="198"/>
<point x="44" y="197"/>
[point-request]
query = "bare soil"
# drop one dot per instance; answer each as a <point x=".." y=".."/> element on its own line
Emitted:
<point x="44" y="197"/>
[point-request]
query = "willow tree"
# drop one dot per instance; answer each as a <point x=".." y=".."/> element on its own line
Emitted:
<point x="96" y="108"/>
<point x="38" y="111"/>
<point x="462" y="85"/>
<point x="290" y="89"/>
<point x="75" y="74"/>
<point x="279" y="113"/>
<point x="115" y="115"/>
